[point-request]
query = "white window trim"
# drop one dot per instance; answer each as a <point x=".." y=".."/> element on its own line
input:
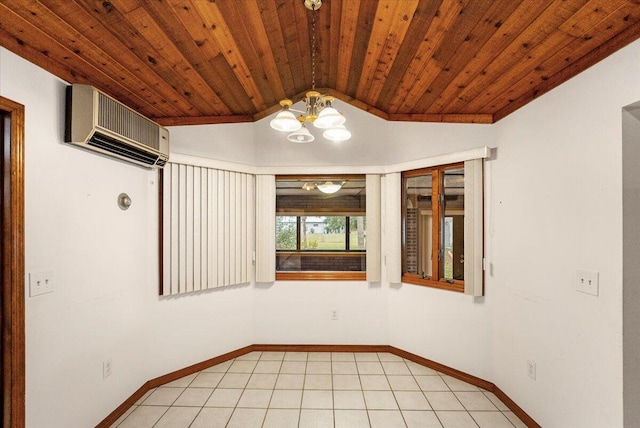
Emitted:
<point x="265" y="228"/>
<point x="374" y="243"/>
<point x="473" y="228"/>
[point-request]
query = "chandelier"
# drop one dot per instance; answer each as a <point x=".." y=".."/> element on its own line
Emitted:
<point x="319" y="108"/>
<point x="327" y="187"/>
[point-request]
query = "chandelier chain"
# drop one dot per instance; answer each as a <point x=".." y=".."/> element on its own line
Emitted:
<point x="313" y="49"/>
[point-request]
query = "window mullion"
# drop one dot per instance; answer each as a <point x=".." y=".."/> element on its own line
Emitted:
<point x="436" y="224"/>
<point x="347" y="230"/>
<point x="298" y="233"/>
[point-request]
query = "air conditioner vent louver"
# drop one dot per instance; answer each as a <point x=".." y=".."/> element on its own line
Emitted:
<point x="114" y="146"/>
<point x="97" y="122"/>
<point x="123" y="121"/>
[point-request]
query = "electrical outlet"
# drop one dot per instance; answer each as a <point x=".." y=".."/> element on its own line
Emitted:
<point x="531" y="369"/>
<point x="106" y="368"/>
<point x="40" y="283"/>
<point x="587" y="282"/>
<point x="334" y="314"/>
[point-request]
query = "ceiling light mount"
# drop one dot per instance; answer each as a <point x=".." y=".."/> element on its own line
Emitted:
<point x="312" y="4"/>
<point x="318" y="107"/>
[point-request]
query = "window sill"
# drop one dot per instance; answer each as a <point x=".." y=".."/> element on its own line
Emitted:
<point x="457" y="286"/>
<point x="321" y="276"/>
<point x="323" y="253"/>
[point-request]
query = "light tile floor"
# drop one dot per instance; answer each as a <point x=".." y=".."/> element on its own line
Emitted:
<point x="318" y="389"/>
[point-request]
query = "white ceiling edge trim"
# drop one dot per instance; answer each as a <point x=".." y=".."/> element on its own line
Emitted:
<point x="461" y="156"/>
<point x="479" y="153"/>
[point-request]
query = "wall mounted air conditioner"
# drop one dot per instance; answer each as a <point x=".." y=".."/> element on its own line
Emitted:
<point x="97" y="122"/>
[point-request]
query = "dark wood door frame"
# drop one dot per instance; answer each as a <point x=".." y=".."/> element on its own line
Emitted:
<point x="12" y="295"/>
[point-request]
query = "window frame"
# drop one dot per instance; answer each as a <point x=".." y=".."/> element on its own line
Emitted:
<point x="321" y="275"/>
<point x="437" y="176"/>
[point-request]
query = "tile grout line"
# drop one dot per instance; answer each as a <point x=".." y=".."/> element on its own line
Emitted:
<point x="366" y="408"/>
<point x="205" y="401"/>
<point x="393" y="392"/>
<point x="235" y="407"/>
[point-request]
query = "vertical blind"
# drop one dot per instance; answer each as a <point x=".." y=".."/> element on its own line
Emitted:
<point x="207" y="228"/>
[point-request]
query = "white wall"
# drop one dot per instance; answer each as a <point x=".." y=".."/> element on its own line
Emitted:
<point x="232" y="142"/>
<point x="105" y="303"/>
<point x="299" y="312"/>
<point x="557" y="207"/>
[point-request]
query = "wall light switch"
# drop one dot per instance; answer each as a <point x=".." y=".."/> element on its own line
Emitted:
<point x="587" y="282"/>
<point x="106" y="368"/>
<point x="40" y="283"/>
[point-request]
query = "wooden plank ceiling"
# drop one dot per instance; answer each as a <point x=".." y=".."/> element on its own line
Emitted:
<point x="198" y="61"/>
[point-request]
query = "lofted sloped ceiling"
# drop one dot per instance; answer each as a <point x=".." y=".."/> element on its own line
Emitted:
<point x="220" y="61"/>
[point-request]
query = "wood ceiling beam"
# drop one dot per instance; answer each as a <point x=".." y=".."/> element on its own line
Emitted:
<point x="445" y="118"/>
<point x="201" y="120"/>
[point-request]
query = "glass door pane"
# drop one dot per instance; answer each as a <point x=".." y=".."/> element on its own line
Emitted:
<point x="418" y="235"/>
<point x="452" y="229"/>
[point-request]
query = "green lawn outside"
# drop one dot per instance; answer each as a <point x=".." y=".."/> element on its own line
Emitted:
<point x="329" y="241"/>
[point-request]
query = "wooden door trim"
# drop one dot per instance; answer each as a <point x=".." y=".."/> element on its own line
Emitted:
<point x="12" y="310"/>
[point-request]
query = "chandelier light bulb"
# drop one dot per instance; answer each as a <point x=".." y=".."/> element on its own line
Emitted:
<point x="337" y="133"/>
<point x="302" y="135"/>
<point x="285" y="120"/>
<point x="329" y="118"/>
